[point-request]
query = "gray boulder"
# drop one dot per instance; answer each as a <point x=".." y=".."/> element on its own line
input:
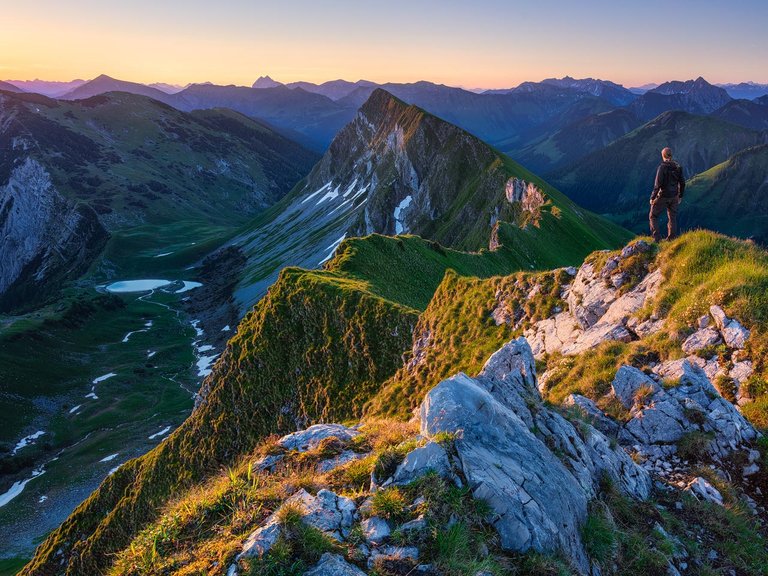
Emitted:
<point x="694" y="405"/>
<point x="595" y="416"/>
<point x="703" y="490"/>
<point x="261" y="540"/>
<point x="375" y="530"/>
<point x="628" y="381"/>
<point x="700" y="340"/>
<point x="393" y="553"/>
<point x="333" y="565"/>
<point x="327" y="511"/>
<point x="308" y="439"/>
<point x="734" y="334"/>
<point x="430" y="457"/>
<point x="538" y="500"/>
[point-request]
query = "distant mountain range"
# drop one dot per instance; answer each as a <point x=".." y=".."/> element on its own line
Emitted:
<point x="745" y="90"/>
<point x="552" y="126"/>
<point x="47" y="88"/>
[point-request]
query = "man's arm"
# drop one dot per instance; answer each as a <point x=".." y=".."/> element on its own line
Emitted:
<point x="657" y="183"/>
<point x="681" y="184"/>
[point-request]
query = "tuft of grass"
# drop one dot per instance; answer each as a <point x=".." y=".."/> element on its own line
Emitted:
<point x="694" y="446"/>
<point x="390" y="503"/>
<point x="599" y="535"/>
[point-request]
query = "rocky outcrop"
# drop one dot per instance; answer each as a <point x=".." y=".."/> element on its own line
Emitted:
<point x="660" y="419"/>
<point x="44" y="239"/>
<point x="599" y="308"/>
<point x="536" y="470"/>
<point x="532" y="466"/>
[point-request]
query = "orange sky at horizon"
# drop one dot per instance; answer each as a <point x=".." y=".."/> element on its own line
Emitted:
<point x="141" y="42"/>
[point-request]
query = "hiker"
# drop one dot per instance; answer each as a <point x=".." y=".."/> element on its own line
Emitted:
<point x="667" y="194"/>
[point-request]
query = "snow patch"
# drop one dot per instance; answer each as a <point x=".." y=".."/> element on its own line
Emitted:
<point x="330" y="195"/>
<point x="226" y="328"/>
<point x="308" y="198"/>
<point x="332" y="249"/>
<point x="27" y="440"/>
<point x="110" y="457"/>
<point x="151" y="353"/>
<point x="113" y="470"/>
<point x="205" y="348"/>
<point x="204" y="365"/>
<point x="75" y="409"/>
<point x="162" y="432"/>
<point x="198" y="331"/>
<point x="92" y="395"/>
<point x="163" y="254"/>
<point x="42" y="499"/>
<point x="18" y="487"/>
<point x="399" y="220"/>
<point x="105" y="377"/>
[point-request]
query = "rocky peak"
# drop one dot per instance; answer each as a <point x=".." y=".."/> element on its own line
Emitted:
<point x="404" y="170"/>
<point x="266" y="82"/>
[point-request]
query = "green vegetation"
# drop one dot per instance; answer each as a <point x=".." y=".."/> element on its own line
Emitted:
<point x="317" y="345"/>
<point x="631" y="538"/>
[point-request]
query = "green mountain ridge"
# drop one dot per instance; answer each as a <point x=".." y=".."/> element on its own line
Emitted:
<point x="732" y="196"/>
<point x="322" y="344"/>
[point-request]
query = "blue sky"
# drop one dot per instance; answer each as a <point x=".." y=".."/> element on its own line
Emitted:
<point x="487" y="43"/>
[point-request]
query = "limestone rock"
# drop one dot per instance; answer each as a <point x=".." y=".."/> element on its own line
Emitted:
<point x="596" y="416"/>
<point x="345" y="457"/>
<point x="394" y="553"/>
<point x="701" y="339"/>
<point x="430" y="457"/>
<point x="528" y="487"/>
<point x="44" y="238"/>
<point x="304" y="440"/>
<point x="376" y="530"/>
<point x="693" y="405"/>
<point x="734" y="334"/>
<point x="327" y="511"/>
<point x="261" y="540"/>
<point x="703" y="490"/>
<point x="333" y="565"/>
<point x="628" y="381"/>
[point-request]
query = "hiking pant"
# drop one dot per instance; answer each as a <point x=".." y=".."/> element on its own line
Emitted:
<point x="657" y="207"/>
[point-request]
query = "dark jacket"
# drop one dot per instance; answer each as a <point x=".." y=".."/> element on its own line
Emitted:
<point x="670" y="181"/>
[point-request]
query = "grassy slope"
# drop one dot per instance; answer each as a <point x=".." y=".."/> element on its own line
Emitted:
<point x="732" y="196"/>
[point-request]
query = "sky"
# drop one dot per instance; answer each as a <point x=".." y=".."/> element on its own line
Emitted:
<point x="477" y="44"/>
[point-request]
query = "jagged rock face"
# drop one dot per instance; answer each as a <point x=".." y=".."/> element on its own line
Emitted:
<point x="507" y="442"/>
<point x="412" y="167"/>
<point x="43" y="238"/>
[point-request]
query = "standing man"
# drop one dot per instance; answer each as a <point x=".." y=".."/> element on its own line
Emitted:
<point x="667" y="194"/>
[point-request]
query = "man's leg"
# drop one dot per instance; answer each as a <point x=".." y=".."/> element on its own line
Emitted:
<point x="672" y="204"/>
<point x="653" y="217"/>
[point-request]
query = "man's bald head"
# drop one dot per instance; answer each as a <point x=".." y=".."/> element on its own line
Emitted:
<point x="666" y="154"/>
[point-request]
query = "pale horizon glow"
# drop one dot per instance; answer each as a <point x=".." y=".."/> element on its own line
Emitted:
<point x="489" y="44"/>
